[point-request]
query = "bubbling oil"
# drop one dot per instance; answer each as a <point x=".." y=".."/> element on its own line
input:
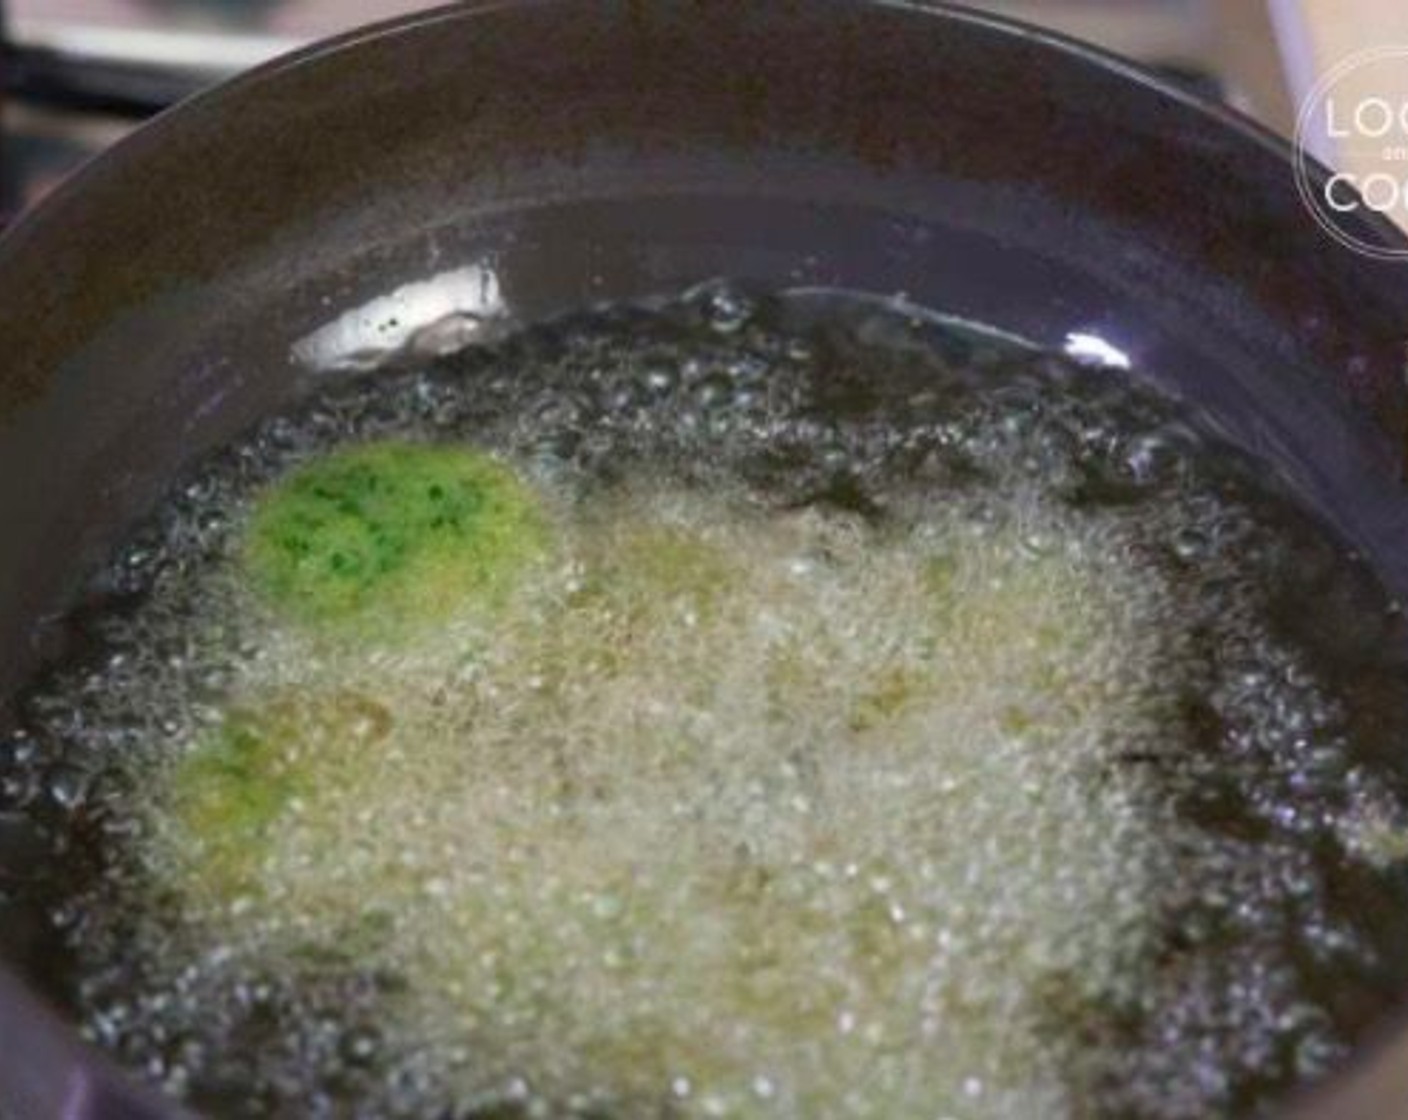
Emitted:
<point x="895" y="724"/>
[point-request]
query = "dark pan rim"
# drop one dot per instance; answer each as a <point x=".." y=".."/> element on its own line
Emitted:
<point x="187" y="113"/>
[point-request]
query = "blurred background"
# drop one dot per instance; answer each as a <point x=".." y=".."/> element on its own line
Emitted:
<point x="78" y="74"/>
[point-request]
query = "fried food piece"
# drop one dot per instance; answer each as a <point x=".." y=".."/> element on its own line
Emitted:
<point x="392" y="535"/>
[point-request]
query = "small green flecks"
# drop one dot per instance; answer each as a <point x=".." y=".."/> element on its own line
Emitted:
<point x="675" y="562"/>
<point x="1015" y="720"/>
<point x="648" y="566"/>
<point x="393" y="534"/>
<point x="884" y="697"/>
<point x="938" y="574"/>
<point x="226" y="796"/>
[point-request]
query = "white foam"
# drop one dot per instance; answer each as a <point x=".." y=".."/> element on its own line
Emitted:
<point x="728" y="800"/>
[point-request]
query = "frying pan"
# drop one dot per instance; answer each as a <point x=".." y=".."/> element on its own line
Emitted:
<point x="562" y="152"/>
